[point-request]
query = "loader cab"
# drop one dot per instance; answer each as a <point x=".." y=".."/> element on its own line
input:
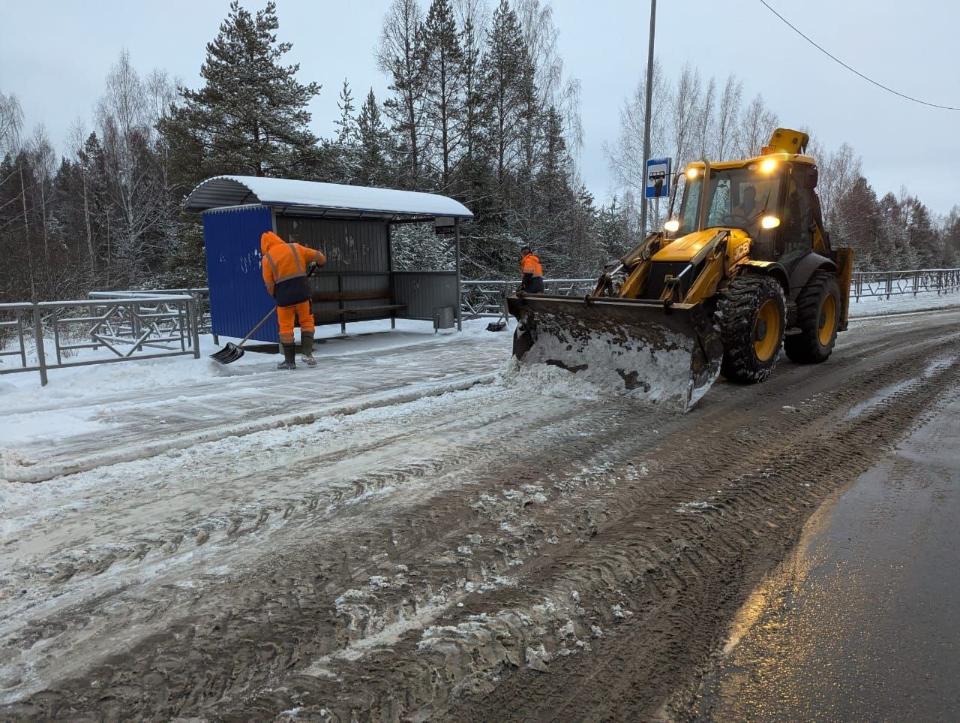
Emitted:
<point x="771" y="198"/>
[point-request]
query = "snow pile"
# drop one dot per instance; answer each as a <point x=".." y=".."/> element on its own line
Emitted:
<point x="600" y="364"/>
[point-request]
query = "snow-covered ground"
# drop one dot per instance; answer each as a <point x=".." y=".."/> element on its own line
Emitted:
<point x="93" y="415"/>
<point x="872" y="305"/>
<point x="423" y="467"/>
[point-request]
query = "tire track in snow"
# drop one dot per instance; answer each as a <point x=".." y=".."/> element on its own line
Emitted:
<point x="457" y="424"/>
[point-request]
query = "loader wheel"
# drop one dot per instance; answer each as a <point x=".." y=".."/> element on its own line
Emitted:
<point x="818" y="316"/>
<point x="751" y="312"/>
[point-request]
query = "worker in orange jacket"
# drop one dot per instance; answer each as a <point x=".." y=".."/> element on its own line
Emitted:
<point x="284" y="268"/>
<point x="531" y="272"/>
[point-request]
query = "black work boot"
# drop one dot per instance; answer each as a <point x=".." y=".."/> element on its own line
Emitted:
<point x="289" y="357"/>
<point x="306" y="349"/>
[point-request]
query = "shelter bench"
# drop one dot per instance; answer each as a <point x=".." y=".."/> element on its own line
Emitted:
<point x="343" y="313"/>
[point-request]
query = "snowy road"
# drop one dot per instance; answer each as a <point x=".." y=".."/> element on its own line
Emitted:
<point x="424" y="537"/>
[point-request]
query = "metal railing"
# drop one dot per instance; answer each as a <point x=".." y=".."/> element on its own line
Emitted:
<point x="130" y="328"/>
<point x="201" y="294"/>
<point x="146" y="324"/>
<point x="884" y="284"/>
<point x="486" y="298"/>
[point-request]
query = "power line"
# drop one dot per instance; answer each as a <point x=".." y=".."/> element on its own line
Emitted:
<point x="851" y="69"/>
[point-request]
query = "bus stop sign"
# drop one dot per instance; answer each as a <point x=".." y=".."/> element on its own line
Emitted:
<point x="658" y="178"/>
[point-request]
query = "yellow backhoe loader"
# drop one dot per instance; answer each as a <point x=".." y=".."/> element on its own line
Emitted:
<point x="745" y="268"/>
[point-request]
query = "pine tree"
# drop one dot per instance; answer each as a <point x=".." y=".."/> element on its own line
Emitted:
<point x="504" y="65"/>
<point x="251" y="115"/>
<point x="401" y="57"/>
<point x="346" y="124"/>
<point x="443" y="85"/>
<point x="551" y="193"/>
<point x="472" y="174"/>
<point x="373" y="168"/>
<point x="346" y="145"/>
<point x="921" y="235"/>
<point x="859" y="224"/>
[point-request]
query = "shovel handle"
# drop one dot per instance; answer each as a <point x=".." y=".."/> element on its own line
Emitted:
<point x="267" y="316"/>
<point x="259" y="324"/>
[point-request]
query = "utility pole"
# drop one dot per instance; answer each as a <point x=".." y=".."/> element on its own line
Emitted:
<point x="646" y="117"/>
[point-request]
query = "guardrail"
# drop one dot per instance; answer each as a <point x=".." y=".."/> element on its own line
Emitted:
<point x="486" y="298"/>
<point x="201" y="294"/>
<point x="151" y="323"/>
<point x="884" y="284"/>
<point x="130" y="328"/>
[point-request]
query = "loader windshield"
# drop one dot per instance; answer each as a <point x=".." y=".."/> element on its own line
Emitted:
<point x="736" y="198"/>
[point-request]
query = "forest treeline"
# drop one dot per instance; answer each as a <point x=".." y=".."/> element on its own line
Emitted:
<point x="479" y="107"/>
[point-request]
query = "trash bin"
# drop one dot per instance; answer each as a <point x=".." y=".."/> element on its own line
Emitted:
<point x="444" y="317"/>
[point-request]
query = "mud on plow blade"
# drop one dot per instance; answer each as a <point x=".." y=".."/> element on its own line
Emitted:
<point x="668" y="355"/>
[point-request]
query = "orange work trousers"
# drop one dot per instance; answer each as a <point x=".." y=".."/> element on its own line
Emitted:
<point x="287" y="315"/>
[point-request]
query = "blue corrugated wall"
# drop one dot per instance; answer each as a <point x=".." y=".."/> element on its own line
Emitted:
<point x="238" y="299"/>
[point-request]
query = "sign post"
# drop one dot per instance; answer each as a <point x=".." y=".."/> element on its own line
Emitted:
<point x="648" y="93"/>
<point x="657" y="183"/>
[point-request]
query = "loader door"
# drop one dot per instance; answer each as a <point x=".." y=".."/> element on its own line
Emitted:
<point x="794" y="235"/>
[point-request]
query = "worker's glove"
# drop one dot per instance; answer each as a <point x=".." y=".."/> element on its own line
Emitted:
<point x="312" y="268"/>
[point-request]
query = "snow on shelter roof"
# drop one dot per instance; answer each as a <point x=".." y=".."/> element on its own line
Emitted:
<point x="333" y="200"/>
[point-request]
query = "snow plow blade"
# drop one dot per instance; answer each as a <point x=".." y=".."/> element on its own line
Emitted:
<point x="668" y="355"/>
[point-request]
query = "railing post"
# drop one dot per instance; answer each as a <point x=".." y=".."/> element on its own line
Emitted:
<point x="456" y="231"/>
<point x="93" y="337"/>
<point x="183" y="326"/>
<point x="38" y="339"/>
<point x="23" y="345"/>
<point x="56" y="336"/>
<point x="136" y="322"/>
<point x="889" y="284"/>
<point x="194" y="324"/>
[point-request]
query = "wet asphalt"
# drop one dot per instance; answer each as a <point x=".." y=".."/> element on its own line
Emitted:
<point x="863" y="622"/>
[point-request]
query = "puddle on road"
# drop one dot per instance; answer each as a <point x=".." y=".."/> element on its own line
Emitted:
<point x="882" y="395"/>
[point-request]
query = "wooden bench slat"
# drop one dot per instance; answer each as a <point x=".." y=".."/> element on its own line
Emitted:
<point x="357" y="310"/>
<point x="328" y="296"/>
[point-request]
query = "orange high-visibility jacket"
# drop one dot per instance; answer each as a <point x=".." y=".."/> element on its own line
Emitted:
<point x="530" y="264"/>
<point x="285" y="268"/>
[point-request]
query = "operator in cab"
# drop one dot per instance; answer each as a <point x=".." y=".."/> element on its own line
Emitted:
<point x="531" y="272"/>
<point x="747" y="209"/>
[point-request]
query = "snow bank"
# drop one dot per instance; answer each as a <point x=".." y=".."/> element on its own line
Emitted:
<point x="870" y="306"/>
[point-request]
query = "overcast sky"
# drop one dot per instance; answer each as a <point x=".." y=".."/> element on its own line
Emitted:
<point x="54" y="55"/>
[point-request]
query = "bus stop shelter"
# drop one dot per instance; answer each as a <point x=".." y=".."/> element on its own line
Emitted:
<point x="350" y="224"/>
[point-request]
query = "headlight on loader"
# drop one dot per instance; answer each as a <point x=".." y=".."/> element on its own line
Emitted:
<point x="769" y="222"/>
<point x="768" y="165"/>
<point x="671" y="226"/>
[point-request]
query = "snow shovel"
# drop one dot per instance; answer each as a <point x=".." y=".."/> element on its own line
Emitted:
<point x="501" y="323"/>
<point x="231" y="352"/>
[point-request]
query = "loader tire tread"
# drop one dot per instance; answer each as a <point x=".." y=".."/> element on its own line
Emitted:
<point x="736" y="312"/>
<point x="805" y="347"/>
